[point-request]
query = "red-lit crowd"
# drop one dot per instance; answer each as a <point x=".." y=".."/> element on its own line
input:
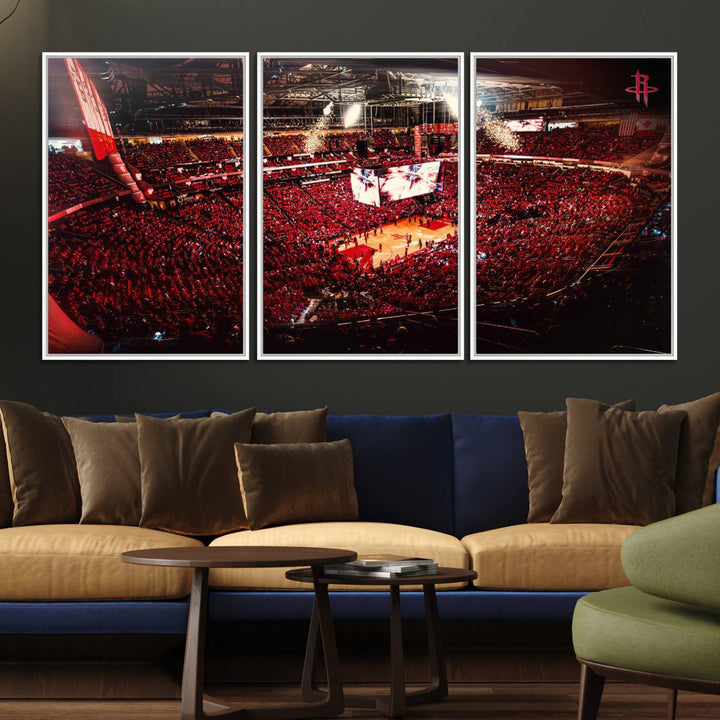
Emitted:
<point x="72" y="180"/>
<point x="539" y="226"/>
<point x="300" y="261"/>
<point x="601" y="142"/>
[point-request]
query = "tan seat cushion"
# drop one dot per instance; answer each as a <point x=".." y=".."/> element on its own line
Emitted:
<point x="82" y="562"/>
<point x="365" y="538"/>
<point x="544" y="556"/>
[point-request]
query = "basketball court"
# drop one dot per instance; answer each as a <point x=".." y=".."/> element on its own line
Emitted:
<point x="391" y="240"/>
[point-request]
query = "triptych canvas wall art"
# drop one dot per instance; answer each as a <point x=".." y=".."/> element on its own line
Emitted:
<point x="360" y="164"/>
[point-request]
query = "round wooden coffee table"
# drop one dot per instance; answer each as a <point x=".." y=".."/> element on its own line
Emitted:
<point x="395" y="704"/>
<point x="194" y="706"/>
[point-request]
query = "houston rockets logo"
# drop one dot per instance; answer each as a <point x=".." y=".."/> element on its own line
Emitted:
<point x="642" y="88"/>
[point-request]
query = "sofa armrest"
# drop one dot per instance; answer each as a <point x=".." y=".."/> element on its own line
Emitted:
<point x="677" y="558"/>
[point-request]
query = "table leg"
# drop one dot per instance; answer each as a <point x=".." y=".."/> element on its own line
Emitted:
<point x="195" y="707"/>
<point x="309" y="686"/>
<point x="438" y="687"/>
<point x="394" y="706"/>
<point x="193" y="670"/>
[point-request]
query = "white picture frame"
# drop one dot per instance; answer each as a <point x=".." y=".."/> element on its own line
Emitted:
<point x="458" y="353"/>
<point x="612" y="356"/>
<point x="160" y="356"/>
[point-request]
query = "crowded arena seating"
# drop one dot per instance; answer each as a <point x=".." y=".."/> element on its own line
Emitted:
<point x="72" y="181"/>
<point x="210" y="149"/>
<point x="539" y="226"/>
<point x="147" y="156"/>
<point x="300" y="223"/>
<point x="103" y="266"/>
<point x="600" y="142"/>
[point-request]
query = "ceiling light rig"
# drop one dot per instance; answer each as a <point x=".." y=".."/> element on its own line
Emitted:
<point x="352" y="115"/>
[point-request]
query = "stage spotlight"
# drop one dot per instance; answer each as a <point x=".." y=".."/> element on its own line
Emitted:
<point x="328" y="108"/>
<point x="352" y="115"/>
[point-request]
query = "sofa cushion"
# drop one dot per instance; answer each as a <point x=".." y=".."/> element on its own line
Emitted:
<point x="365" y="538"/>
<point x="403" y="467"/>
<point x="296" y="426"/>
<point x="41" y="465"/>
<point x="544" y="434"/>
<point x="6" y="501"/>
<point x="288" y="483"/>
<point x="544" y="556"/>
<point x="188" y="474"/>
<point x="108" y="465"/>
<point x="697" y="438"/>
<point x="82" y="562"/>
<point x="620" y="466"/>
<point x="491" y="479"/>
<point x="631" y="629"/>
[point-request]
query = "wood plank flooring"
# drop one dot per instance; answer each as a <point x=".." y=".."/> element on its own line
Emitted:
<point x="477" y="701"/>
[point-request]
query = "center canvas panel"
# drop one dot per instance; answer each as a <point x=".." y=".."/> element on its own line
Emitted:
<point x="358" y="176"/>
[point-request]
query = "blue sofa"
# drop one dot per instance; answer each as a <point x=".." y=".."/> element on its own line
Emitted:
<point x="451" y="473"/>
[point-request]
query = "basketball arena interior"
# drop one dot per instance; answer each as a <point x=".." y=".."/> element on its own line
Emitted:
<point x="573" y="207"/>
<point x="145" y="244"/>
<point x="358" y="164"/>
<point x="360" y="206"/>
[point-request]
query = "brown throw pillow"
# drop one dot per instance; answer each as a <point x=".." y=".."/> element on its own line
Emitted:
<point x="297" y="483"/>
<point x="298" y="426"/>
<point x="41" y="466"/>
<point x="108" y="465"/>
<point x="697" y="438"/>
<point x="6" y="501"/>
<point x="620" y="466"/>
<point x="544" y="435"/>
<point x="188" y="475"/>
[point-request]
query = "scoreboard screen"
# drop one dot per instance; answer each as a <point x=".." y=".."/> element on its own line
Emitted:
<point x="365" y="186"/>
<point x="407" y="181"/>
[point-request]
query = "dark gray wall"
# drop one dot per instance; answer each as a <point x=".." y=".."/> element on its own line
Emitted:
<point x="333" y="25"/>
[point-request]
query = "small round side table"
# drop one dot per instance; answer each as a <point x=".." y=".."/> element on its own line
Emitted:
<point x="396" y="703"/>
<point x="193" y="705"/>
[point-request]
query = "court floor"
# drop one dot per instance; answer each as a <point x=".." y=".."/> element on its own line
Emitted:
<point x="392" y="240"/>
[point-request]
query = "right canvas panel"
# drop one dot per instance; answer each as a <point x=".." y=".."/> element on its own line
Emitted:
<point x="574" y="216"/>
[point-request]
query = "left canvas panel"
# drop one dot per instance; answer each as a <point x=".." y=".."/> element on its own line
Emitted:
<point x="144" y="203"/>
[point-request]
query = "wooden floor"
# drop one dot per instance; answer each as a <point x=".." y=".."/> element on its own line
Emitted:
<point x="390" y="241"/>
<point x="491" y="701"/>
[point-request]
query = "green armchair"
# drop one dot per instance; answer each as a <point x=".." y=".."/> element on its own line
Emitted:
<point x="664" y="629"/>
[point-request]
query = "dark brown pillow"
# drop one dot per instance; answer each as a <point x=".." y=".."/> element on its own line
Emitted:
<point x="297" y="483"/>
<point x="298" y="426"/>
<point x="697" y="438"/>
<point x="6" y="501"/>
<point x="620" y="466"/>
<point x="41" y="466"/>
<point x="108" y="466"/>
<point x="188" y="475"/>
<point x="544" y="435"/>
